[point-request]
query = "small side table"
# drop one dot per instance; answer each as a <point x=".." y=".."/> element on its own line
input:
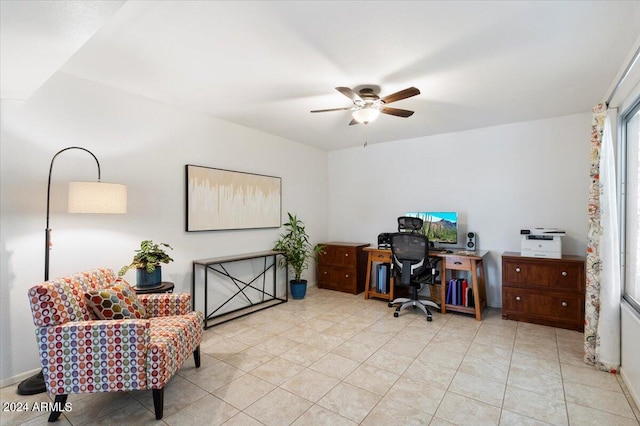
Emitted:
<point x="164" y="287"/>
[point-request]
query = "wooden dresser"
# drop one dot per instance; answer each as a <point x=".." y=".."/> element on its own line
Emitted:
<point x="544" y="291"/>
<point x="342" y="267"/>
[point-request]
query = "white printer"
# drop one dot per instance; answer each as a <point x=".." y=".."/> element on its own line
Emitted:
<point x="541" y="242"/>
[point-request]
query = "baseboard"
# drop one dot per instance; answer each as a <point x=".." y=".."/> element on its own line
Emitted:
<point x="17" y="379"/>
<point x="632" y="392"/>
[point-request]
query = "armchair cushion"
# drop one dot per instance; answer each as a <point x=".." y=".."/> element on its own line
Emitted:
<point x="115" y="302"/>
<point x="60" y="301"/>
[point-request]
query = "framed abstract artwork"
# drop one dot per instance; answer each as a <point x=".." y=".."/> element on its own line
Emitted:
<point x="219" y="199"/>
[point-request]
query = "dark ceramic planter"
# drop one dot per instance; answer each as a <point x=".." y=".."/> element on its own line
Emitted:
<point x="146" y="280"/>
<point x="298" y="289"/>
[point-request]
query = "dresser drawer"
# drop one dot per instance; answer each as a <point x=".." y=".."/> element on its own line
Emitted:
<point x="335" y="278"/>
<point x="381" y="257"/>
<point x="551" y="307"/>
<point x="338" y="255"/>
<point x="458" y="263"/>
<point x="540" y="273"/>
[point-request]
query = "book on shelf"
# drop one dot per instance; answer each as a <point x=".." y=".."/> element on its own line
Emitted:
<point x="458" y="292"/>
<point x="465" y="287"/>
<point x="383" y="278"/>
<point x="373" y="282"/>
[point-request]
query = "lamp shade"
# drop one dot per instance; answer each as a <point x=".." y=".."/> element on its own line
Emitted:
<point x="366" y="115"/>
<point x="97" y="197"/>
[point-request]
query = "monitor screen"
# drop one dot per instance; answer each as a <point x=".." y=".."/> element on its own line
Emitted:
<point x="439" y="227"/>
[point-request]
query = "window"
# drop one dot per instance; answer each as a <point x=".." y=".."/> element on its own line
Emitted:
<point x="630" y="171"/>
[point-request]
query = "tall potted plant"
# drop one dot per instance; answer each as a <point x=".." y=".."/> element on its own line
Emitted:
<point x="147" y="262"/>
<point x="298" y="252"/>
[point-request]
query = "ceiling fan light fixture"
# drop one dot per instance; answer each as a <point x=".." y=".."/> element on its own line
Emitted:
<point x="365" y="115"/>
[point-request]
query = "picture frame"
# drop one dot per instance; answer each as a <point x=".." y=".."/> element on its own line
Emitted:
<point x="220" y="199"/>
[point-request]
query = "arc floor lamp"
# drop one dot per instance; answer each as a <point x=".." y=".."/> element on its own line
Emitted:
<point x="83" y="197"/>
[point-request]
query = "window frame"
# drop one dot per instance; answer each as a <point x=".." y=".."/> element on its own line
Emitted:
<point x="623" y="159"/>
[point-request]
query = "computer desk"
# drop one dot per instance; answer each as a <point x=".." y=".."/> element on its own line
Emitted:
<point x="458" y="260"/>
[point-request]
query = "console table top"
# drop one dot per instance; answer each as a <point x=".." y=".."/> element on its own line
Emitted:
<point x="233" y="258"/>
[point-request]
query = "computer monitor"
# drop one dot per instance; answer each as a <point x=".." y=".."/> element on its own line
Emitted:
<point x="439" y="227"/>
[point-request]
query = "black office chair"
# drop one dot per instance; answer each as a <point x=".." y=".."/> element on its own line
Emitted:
<point x="411" y="265"/>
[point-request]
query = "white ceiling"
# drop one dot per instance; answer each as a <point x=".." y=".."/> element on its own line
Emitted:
<point x="266" y="64"/>
<point x="38" y="37"/>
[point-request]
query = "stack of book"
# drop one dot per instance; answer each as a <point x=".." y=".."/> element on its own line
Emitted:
<point x="381" y="277"/>
<point x="459" y="293"/>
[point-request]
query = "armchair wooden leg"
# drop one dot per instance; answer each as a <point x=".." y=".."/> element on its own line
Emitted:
<point x="158" y="402"/>
<point x="58" y="406"/>
<point x="196" y="356"/>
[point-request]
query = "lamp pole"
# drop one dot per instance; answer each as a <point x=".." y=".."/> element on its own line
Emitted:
<point x="47" y="231"/>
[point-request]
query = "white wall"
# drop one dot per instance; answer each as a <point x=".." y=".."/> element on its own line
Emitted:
<point x="145" y="145"/>
<point x="499" y="180"/>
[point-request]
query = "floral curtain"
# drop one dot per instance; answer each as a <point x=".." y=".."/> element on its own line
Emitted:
<point x="602" y="304"/>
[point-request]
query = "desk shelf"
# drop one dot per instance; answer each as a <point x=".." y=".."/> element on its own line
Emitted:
<point x="462" y="309"/>
<point x="468" y="262"/>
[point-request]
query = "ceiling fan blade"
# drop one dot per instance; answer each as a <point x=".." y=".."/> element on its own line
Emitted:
<point x="403" y="94"/>
<point x="349" y="93"/>
<point x="397" y="112"/>
<point x="353" y="121"/>
<point x="331" y="109"/>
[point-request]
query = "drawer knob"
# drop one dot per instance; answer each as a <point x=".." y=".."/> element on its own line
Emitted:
<point x="518" y="298"/>
<point x="517" y="269"/>
<point x="564" y="273"/>
<point x="565" y="304"/>
<point x="346" y="275"/>
<point x="325" y="272"/>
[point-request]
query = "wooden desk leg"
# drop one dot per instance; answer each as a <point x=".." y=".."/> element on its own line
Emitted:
<point x="476" y="289"/>
<point x="367" y="281"/>
<point x="443" y="288"/>
<point x="482" y="283"/>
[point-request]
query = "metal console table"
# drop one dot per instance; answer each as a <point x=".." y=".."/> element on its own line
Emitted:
<point x="218" y="266"/>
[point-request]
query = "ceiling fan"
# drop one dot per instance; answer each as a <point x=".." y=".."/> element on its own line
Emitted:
<point x="367" y="106"/>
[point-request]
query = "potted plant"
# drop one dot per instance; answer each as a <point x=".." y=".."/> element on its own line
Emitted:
<point x="298" y="252"/>
<point x="147" y="262"/>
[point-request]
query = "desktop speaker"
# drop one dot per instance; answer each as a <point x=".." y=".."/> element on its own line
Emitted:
<point x="471" y="241"/>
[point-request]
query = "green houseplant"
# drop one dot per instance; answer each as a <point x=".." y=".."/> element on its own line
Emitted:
<point x="147" y="262"/>
<point x="298" y="252"/>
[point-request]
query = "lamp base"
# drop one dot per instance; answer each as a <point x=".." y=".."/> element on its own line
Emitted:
<point x="33" y="385"/>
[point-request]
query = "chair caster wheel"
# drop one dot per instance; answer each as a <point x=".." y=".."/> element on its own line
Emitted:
<point x="429" y="319"/>
<point x="395" y="314"/>
<point x="390" y="305"/>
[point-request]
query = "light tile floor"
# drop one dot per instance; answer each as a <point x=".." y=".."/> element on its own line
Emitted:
<point x="338" y="359"/>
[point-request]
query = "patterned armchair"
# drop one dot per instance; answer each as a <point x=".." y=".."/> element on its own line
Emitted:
<point x="95" y="334"/>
